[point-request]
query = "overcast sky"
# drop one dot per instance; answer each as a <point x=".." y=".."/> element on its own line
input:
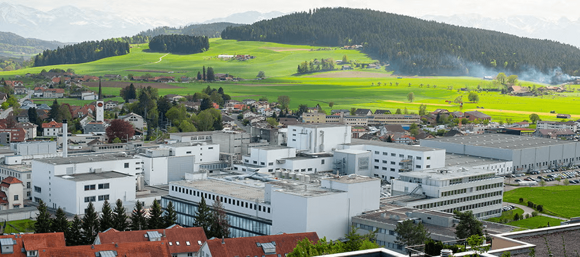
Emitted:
<point x="198" y="11"/>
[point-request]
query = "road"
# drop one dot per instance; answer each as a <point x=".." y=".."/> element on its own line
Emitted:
<point x="4" y="114"/>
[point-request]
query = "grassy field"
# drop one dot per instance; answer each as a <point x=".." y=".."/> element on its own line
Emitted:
<point x="507" y="215"/>
<point x="535" y="222"/>
<point x="346" y="89"/>
<point x="560" y="201"/>
<point x="20" y="225"/>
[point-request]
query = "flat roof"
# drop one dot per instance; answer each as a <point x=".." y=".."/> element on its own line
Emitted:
<point x="84" y="159"/>
<point x="271" y="147"/>
<point x="221" y="187"/>
<point x="466" y="160"/>
<point x="94" y="176"/>
<point x="352" y="179"/>
<point x="502" y="141"/>
<point x="392" y="145"/>
<point x="451" y="173"/>
<point x="318" y="125"/>
<point x="199" y="133"/>
<point x="302" y="189"/>
<point x="17" y="168"/>
<point x="351" y="151"/>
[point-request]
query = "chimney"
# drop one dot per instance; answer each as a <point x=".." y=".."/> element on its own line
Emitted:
<point x="64" y="139"/>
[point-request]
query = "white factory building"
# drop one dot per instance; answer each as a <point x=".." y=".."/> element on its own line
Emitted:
<point x="171" y="162"/>
<point x="318" y="138"/>
<point x="450" y="189"/>
<point x="72" y="182"/>
<point x="269" y="207"/>
<point x="526" y="153"/>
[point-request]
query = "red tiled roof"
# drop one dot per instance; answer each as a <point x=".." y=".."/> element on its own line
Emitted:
<point x="174" y="234"/>
<point x="52" y="124"/>
<point x="246" y="246"/>
<point x="3" y="199"/>
<point x="145" y="249"/>
<point x="43" y="240"/>
<point x="11" y="180"/>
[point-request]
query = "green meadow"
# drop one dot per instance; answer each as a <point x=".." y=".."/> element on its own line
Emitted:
<point x="346" y="89"/>
<point x="557" y="200"/>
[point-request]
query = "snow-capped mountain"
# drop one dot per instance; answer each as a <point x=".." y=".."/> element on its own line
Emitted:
<point x="246" y="17"/>
<point x="68" y="23"/>
<point x="562" y="30"/>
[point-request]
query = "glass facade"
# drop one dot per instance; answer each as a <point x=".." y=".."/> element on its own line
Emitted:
<point x="240" y="226"/>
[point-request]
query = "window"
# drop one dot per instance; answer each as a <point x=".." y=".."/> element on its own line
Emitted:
<point x="376" y="167"/>
<point x="89" y="199"/>
<point x="418" y="166"/>
<point x="89" y="187"/>
<point x="321" y="161"/>
<point x="211" y="147"/>
<point x="103" y="197"/>
<point x="393" y="163"/>
<point x="262" y="163"/>
<point x="385" y="161"/>
<point x="270" y="163"/>
<point x="15" y="197"/>
<point x="385" y="153"/>
<point x="104" y="186"/>
<point x="402" y="155"/>
<point x="188" y="152"/>
<point x="126" y="165"/>
<point x="376" y="160"/>
<point x="428" y="157"/>
<point x="418" y="158"/>
<point x="393" y="154"/>
<point x="376" y="152"/>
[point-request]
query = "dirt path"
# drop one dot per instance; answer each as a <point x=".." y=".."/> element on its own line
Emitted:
<point x="160" y="58"/>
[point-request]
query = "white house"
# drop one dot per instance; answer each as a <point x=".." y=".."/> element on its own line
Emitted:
<point x="11" y="194"/>
<point x="51" y="129"/>
<point x="135" y="119"/>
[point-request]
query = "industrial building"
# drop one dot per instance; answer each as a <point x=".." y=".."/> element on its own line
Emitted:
<point x="450" y="189"/>
<point x="526" y="153"/>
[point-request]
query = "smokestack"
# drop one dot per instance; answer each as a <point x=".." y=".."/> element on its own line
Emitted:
<point x="64" y="139"/>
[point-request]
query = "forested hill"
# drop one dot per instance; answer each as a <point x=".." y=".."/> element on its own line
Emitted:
<point x="12" y="45"/>
<point x="414" y="46"/>
<point x="211" y="30"/>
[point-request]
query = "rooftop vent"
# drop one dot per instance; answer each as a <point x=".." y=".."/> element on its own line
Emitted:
<point x="269" y="248"/>
<point x="106" y="254"/>
<point x="153" y="235"/>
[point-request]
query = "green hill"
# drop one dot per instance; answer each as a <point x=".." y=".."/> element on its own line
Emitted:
<point x="12" y="45"/>
<point x="414" y="46"/>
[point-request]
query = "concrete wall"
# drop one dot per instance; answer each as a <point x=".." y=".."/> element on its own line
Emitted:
<point x="177" y="166"/>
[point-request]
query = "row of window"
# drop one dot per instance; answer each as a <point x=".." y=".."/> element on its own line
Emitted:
<point x="458" y="200"/>
<point x="454" y="192"/>
<point x="224" y="200"/>
<point x="473" y="206"/>
<point x="402" y="155"/>
<point x="481" y="177"/>
<point x="93" y="198"/>
<point x="390" y="245"/>
<point x="490" y="186"/>
<point x="93" y="186"/>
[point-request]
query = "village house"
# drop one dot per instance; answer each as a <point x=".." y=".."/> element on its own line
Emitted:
<point x="476" y="115"/>
<point x="363" y="112"/>
<point x="566" y="134"/>
<point x="109" y="105"/>
<point x="11" y="194"/>
<point x="89" y="95"/>
<point x="173" y="97"/>
<point x="51" y="129"/>
<point x="192" y="106"/>
<point x="3" y="97"/>
<point x="29" y="128"/>
<point x="135" y="119"/>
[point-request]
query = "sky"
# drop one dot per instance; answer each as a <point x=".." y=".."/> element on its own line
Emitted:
<point x="188" y="11"/>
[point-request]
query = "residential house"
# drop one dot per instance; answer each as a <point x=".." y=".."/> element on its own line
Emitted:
<point x="192" y="106"/>
<point x="3" y="97"/>
<point x="571" y="125"/>
<point x="29" y="128"/>
<point x="89" y="95"/>
<point x="261" y="104"/>
<point x="519" y="90"/>
<point x="363" y="112"/>
<point x="51" y="129"/>
<point x="25" y="245"/>
<point x="273" y="245"/>
<point x="160" y="249"/>
<point x="22" y="117"/>
<point x="20" y="90"/>
<point x="287" y="121"/>
<point x="112" y="76"/>
<point x="567" y="134"/>
<point x="313" y="117"/>
<point x="248" y="101"/>
<point x="523" y="124"/>
<point x="135" y="119"/>
<point x="346" y="67"/>
<point x="96" y="127"/>
<point x="248" y="114"/>
<point x="109" y="105"/>
<point x="377" y="111"/>
<point x="392" y="128"/>
<point x="12" y="135"/>
<point x="456" y="115"/>
<point x="173" y="97"/>
<point x="477" y="115"/>
<point x="11" y="194"/>
<point x="453" y="133"/>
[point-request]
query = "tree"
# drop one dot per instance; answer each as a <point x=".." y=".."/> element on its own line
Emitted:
<point x="534" y="118"/>
<point x="186" y="126"/>
<point x="284" y="102"/>
<point x="210" y="74"/>
<point x="558" y="179"/>
<point x="43" y="220"/>
<point x="409" y="233"/>
<point x="423" y="109"/>
<point x="129" y="92"/>
<point x="411" y="97"/>
<point x="64" y="113"/>
<point x="261" y="74"/>
<point x="120" y="129"/>
<point x="512" y="79"/>
<point x="414" y="130"/>
<point x="272" y="122"/>
<point x="199" y="75"/>
<point x="73" y="235"/>
<point x="120" y="217"/>
<point x="138" y="220"/>
<point x="473" y="97"/>
<point x="263" y="98"/>
<point x="170" y="216"/>
<point x="59" y="224"/>
<point x="220" y="226"/>
<point x="203" y="217"/>
<point x="204" y="73"/>
<point x="352" y="111"/>
<point x="501" y="78"/>
<point x="344" y="59"/>
<point x="354" y="240"/>
<point x="155" y="220"/>
<point x="331" y="104"/>
<point x="516" y="217"/>
<point x="398" y="111"/>
<point x="566" y="182"/>
<point x="476" y="242"/>
<point x="106" y="221"/>
<point x="458" y="99"/>
<point x="206" y="103"/>
<point x="468" y="225"/>
<point x="53" y="110"/>
<point x="90" y="224"/>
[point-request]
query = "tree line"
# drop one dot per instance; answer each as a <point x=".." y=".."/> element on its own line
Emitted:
<point x="180" y="44"/>
<point x="411" y="45"/>
<point x="211" y="30"/>
<point x="84" y="231"/>
<point x="82" y="52"/>
<point x="315" y="65"/>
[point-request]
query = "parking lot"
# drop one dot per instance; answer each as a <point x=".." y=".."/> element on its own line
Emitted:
<point x="548" y="176"/>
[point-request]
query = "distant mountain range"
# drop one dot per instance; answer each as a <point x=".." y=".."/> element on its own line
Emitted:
<point x="246" y="17"/>
<point x="12" y="45"/>
<point x="68" y="23"/>
<point x="562" y="30"/>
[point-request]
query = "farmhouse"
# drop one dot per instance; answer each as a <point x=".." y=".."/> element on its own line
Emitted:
<point x="476" y="115"/>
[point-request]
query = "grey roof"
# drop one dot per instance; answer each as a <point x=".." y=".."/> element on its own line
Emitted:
<point x="83" y="159"/>
<point x="318" y="125"/>
<point x="232" y="189"/>
<point x="451" y="173"/>
<point x="466" y="160"/>
<point x="7" y="241"/>
<point x="501" y="141"/>
<point x="392" y="145"/>
<point x="94" y="176"/>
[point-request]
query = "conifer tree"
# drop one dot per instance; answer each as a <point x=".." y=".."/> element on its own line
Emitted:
<point x="107" y="217"/>
<point x="60" y="223"/>
<point x="90" y="224"/>
<point x="138" y="220"/>
<point x="202" y="218"/>
<point x="155" y="220"/>
<point x="120" y="217"/>
<point x="220" y="226"/>
<point x="73" y="235"/>
<point x="43" y="220"/>
<point x="170" y="217"/>
<point x="203" y="73"/>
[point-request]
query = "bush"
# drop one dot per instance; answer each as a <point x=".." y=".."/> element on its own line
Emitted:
<point x="527" y="215"/>
<point x="516" y="217"/>
<point x="521" y="200"/>
<point x="534" y="213"/>
<point x="540" y="208"/>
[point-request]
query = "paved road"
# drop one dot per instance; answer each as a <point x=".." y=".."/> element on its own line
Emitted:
<point x="4" y="114"/>
<point x="528" y="210"/>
